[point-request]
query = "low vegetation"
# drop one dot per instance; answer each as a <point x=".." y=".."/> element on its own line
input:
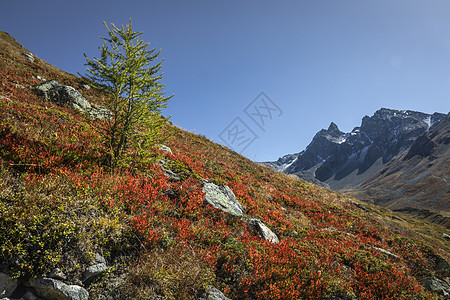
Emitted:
<point x="59" y="204"/>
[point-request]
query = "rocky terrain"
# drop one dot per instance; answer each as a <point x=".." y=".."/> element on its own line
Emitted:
<point x="397" y="159"/>
<point x="416" y="181"/>
<point x="193" y="220"/>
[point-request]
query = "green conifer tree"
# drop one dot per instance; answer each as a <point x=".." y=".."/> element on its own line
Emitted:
<point x="130" y="76"/>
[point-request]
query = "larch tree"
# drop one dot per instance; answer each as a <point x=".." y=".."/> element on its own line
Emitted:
<point x="130" y="75"/>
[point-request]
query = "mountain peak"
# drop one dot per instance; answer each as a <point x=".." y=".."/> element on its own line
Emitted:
<point x="333" y="155"/>
<point x="333" y="127"/>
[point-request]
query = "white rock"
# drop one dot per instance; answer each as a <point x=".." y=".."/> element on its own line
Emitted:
<point x="29" y="56"/>
<point x="390" y="254"/>
<point x="264" y="231"/>
<point x="165" y="149"/>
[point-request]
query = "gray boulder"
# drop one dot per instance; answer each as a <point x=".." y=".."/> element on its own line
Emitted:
<point x="214" y="294"/>
<point x="93" y="271"/>
<point x="45" y="87"/>
<point x="7" y="285"/>
<point x="165" y="149"/>
<point x="30" y="296"/>
<point x="53" y="289"/>
<point x="98" y="259"/>
<point x="99" y="112"/>
<point x="436" y="285"/>
<point x="443" y="267"/>
<point x="57" y="274"/>
<point x="168" y="172"/>
<point x="263" y="231"/>
<point x="223" y="198"/>
<point x="98" y="268"/>
<point x="359" y="205"/>
<point x="171" y="174"/>
<point x="29" y="56"/>
<point x="64" y="95"/>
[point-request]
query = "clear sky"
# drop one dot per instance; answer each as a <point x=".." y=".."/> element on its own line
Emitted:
<point x="315" y="61"/>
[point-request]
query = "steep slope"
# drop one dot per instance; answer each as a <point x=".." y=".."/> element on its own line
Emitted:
<point x="147" y="230"/>
<point x="415" y="181"/>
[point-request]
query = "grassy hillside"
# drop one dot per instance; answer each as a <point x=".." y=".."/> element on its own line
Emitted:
<point x="59" y="206"/>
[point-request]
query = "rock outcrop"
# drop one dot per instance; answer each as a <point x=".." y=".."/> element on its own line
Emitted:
<point x="7" y="285"/>
<point x="53" y="289"/>
<point x="438" y="286"/>
<point x="263" y="231"/>
<point x="29" y="56"/>
<point x="94" y="270"/>
<point x="223" y="198"/>
<point x="67" y="96"/>
<point x="213" y="294"/>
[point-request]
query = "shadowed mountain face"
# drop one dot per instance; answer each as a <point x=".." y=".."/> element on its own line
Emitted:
<point x="389" y="142"/>
<point x="417" y="180"/>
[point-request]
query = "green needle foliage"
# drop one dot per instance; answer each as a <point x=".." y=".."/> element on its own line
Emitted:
<point x="129" y="74"/>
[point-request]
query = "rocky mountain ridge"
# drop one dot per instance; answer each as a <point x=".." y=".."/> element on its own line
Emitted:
<point x="334" y="154"/>
<point x="349" y="161"/>
<point x="416" y="180"/>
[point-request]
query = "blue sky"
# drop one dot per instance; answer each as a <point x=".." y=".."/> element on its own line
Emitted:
<point x="315" y="61"/>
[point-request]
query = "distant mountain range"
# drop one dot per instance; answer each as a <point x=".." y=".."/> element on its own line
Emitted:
<point x="398" y="159"/>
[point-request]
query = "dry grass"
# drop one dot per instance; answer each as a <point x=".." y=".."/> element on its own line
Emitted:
<point x="178" y="272"/>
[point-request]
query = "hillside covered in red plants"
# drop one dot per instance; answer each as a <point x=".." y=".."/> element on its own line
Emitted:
<point x="59" y="206"/>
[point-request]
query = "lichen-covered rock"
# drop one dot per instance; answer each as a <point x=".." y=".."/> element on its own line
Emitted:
<point x="98" y="259"/>
<point x="165" y="149"/>
<point x="98" y="268"/>
<point x="168" y="172"/>
<point x="64" y="95"/>
<point x="263" y="231"/>
<point x="99" y="112"/>
<point x="53" y="289"/>
<point x="213" y="294"/>
<point x="223" y="198"/>
<point x="436" y="285"/>
<point x="7" y="285"/>
<point x="29" y="56"/>
<point x="93" y="271"/>
<point x="44" y="88"/>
